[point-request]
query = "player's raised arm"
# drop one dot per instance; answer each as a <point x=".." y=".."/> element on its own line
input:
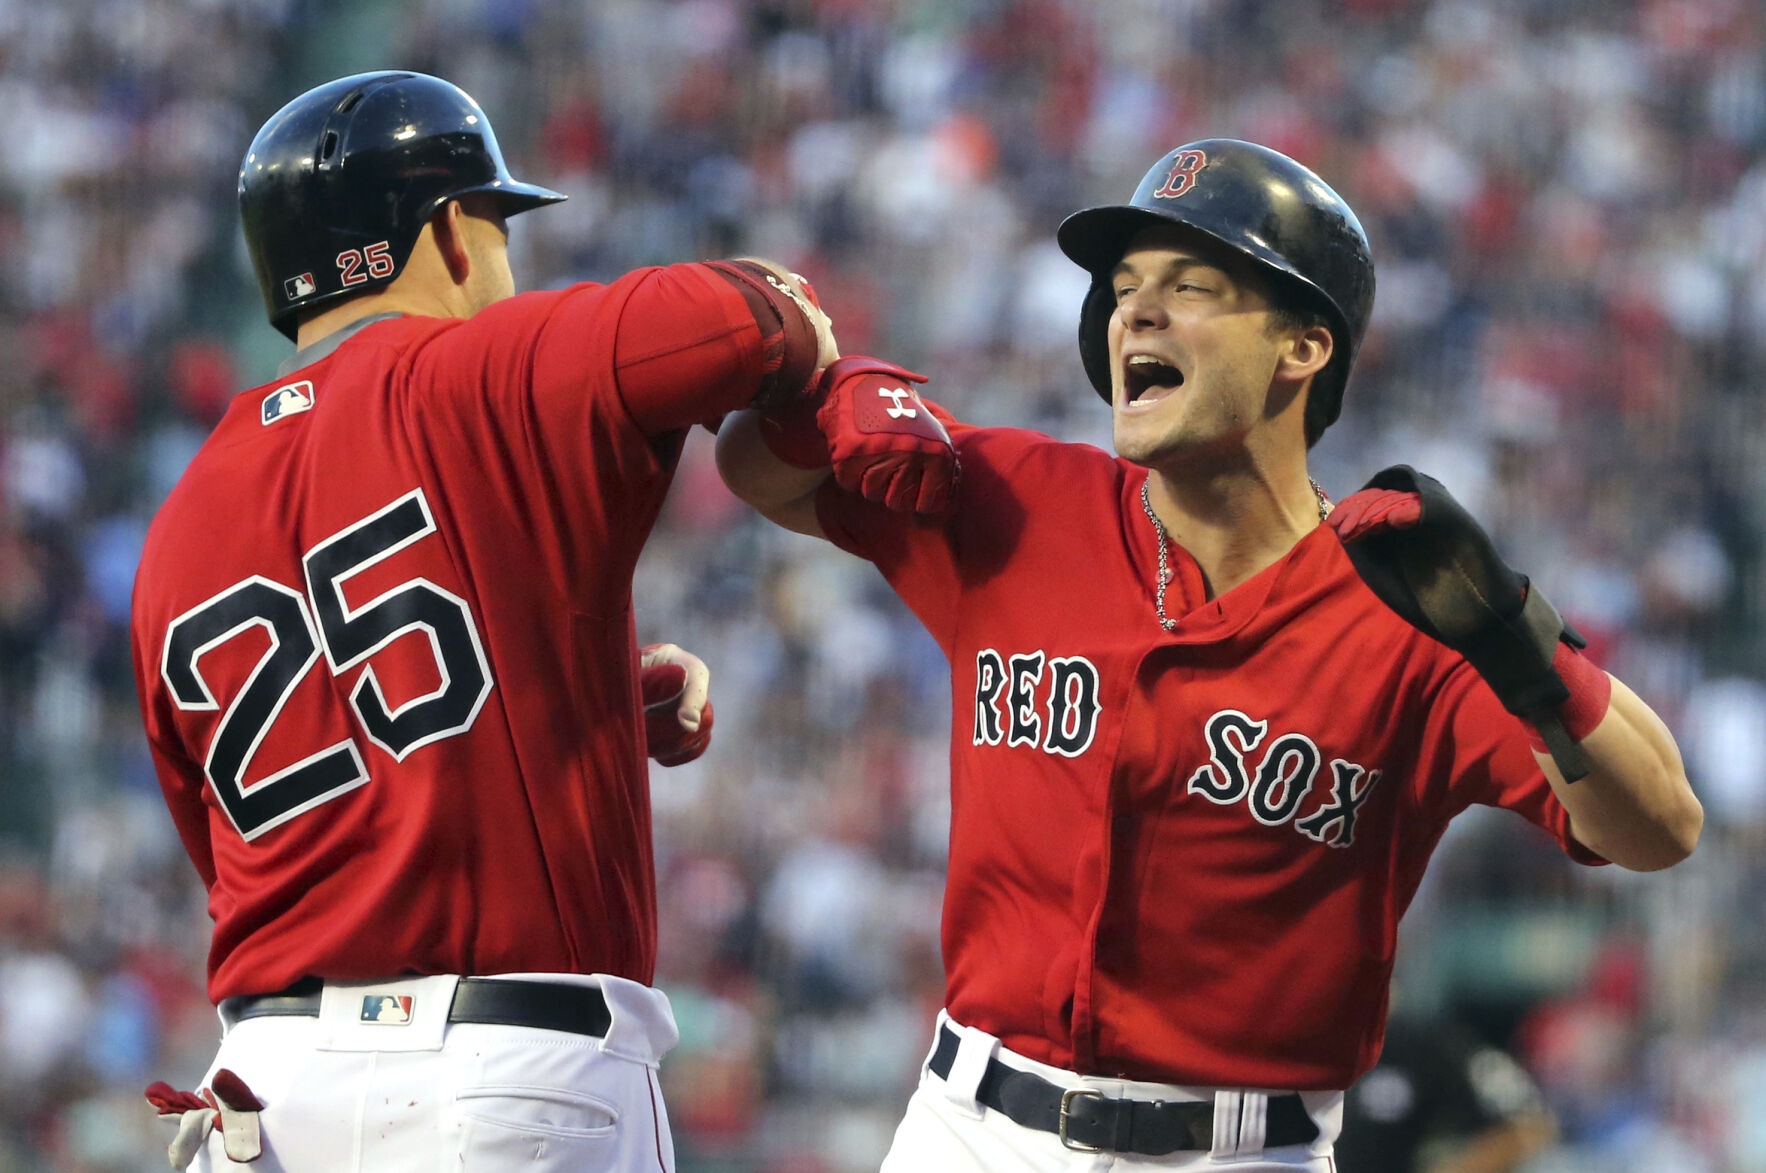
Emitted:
<point x="865" y="424"/>
<point x="1431" y="562"/>
<point x="695" y="341"/>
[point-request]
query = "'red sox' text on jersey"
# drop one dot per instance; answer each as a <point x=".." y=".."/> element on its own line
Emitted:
<point x="1178" y="857"/>
<point x="385" y="644"/>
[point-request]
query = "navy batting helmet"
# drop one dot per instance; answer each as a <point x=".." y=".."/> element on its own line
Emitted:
<point x="1260" y="203"/>
<point x="338" y="184"/>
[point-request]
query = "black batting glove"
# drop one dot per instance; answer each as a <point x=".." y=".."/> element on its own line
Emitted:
<point x="1431" y="562"/>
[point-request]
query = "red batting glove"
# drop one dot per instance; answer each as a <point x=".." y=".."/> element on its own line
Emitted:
<point x="1373" y="511"/>
<point x="871" y="426"/>
<point x="677" y="711"/>
<point x="941" y="413"/>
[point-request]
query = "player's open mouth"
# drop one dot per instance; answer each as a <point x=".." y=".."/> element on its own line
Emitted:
<point x="1146" y="379"/>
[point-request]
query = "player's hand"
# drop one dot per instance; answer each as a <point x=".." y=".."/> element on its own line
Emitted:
<point x="1431" y="562"/>
<point x="226" y="1104"/>
<point x="883" y="441"/>
<point x="1373" y="511"/>
<point x="880" y="438"/>
<point x="677" y="711"/>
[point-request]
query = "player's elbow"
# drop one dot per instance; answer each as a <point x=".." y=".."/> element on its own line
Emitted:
<point x="783" y="494"/>
<point x="1682" y="828"/>
<point x="1670" y="835"/>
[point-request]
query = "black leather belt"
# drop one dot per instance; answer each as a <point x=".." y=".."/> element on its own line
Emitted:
<point x="1093" y="1122"/>
<point x="577" y="1009"/>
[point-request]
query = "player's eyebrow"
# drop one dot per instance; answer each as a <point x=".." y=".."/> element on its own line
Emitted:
<point x="1177" y="265"/>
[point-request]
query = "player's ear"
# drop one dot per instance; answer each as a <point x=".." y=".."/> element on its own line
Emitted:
<point x="1307" y="353"/>
<point x="448" y="229"/>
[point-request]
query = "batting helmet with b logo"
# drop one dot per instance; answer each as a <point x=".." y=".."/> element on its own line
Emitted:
<point x="1260" y="203"/>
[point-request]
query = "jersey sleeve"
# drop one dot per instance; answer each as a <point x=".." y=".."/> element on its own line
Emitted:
<point x="919" y="556"/>
<point x="561" y="414"/>
<point x="1483" y="750"/>
<point x="675" y="345"/>
<point x="688" y="349"/>
<point x="923" y="558"/>
<point x="930" y="561"/>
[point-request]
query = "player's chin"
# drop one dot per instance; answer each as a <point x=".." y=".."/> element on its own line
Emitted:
<point x="1141" y="440"/>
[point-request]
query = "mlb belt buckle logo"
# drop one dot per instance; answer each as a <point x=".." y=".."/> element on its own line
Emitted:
<point x="387" y="1009"/>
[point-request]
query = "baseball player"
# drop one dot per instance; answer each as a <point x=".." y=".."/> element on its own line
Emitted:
<point x="384" y="641"/>
<point x="1203" y="744"/>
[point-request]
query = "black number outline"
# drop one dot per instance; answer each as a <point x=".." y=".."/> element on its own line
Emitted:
<point x="409" y="520"/>
<point x="319" y="780"/>
<point x="296" y="642"/>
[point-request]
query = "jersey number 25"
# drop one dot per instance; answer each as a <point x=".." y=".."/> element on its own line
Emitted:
<point x="347" y="636"/>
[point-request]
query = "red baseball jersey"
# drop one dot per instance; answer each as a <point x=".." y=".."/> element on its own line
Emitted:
<point x="1178" y="857"/>
<point x="384" y="640"/>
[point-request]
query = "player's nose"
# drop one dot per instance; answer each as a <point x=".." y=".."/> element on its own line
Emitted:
<point x="1142" y="308"/>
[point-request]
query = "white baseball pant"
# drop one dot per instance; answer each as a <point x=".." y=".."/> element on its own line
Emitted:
<point x="945" y="1129"/>
<point x="421" y="1095"/>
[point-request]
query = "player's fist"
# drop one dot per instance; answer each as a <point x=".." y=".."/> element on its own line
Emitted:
<point x="883" y="441"/>
<point x="677" y="711"/>
<point x="880" y="438"/>
<point x="1429" y="560"/>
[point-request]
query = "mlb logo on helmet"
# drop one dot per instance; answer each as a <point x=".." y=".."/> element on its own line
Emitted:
<point x="288" y="399"/>
<point x="296" y="288"/>
<point x="387" y="1009"/>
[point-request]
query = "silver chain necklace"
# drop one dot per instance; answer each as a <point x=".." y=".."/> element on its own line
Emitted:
<point x="1324" y="511"/>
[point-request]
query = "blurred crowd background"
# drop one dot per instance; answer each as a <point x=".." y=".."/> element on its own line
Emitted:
<point x="1567" y="201"/>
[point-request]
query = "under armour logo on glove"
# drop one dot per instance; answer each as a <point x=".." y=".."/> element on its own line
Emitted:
<point x="898" y="394"/>
<point x="883" y="441"/>
<point x="898" y="455"/>
<point x="226" y="1104"/>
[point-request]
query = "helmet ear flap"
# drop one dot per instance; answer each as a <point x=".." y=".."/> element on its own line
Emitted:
<point x="1094" y="335"/>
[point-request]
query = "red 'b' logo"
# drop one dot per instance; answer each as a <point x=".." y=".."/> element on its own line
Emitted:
<point x="1183" y="174"/>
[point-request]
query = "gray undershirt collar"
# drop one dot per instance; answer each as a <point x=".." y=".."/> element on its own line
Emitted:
<point x="308" y="355"/>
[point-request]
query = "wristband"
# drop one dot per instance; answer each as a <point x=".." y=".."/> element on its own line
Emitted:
<point x="1591" y="693"/>
<point x="787" y="336"/>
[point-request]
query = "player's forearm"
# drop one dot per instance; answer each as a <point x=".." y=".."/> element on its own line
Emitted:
<point x="780" y="492"/>
<point x="1635" y="807"/>
<point x="682" y="358"/>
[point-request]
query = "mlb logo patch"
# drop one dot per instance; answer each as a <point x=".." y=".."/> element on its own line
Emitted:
<point x="288" y="399"/>
<point x="387" y="1009"/>
<point x="298" y="287"/>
